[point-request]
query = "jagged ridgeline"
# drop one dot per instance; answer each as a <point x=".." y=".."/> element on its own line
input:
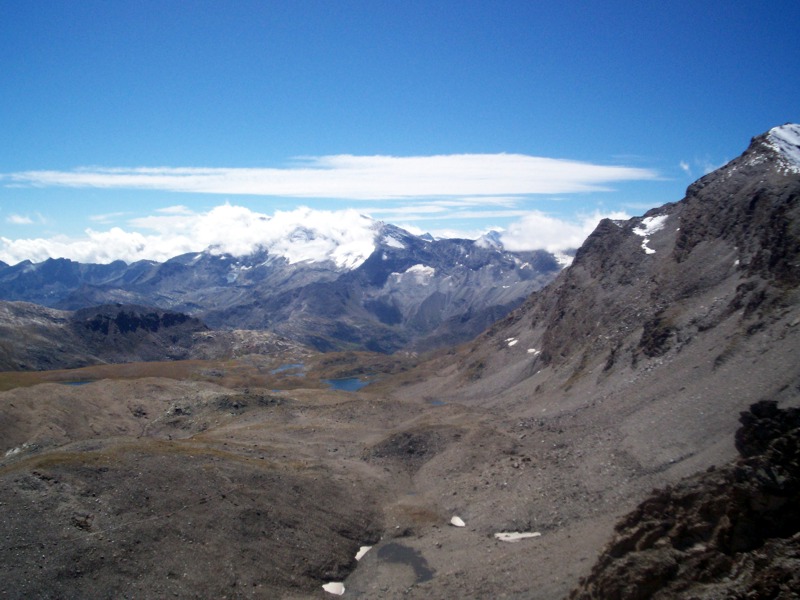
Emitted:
<point x="392" y="291"/>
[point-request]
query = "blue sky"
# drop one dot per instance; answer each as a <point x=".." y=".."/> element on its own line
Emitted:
<point x="451" y="117"/>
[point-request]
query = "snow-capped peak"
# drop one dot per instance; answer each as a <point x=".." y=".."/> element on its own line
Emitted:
<point x="785" y="140"/>
<point x="490" y="239"/>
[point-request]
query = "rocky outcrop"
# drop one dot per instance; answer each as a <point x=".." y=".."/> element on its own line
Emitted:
<point x="34" y="338"/>
<point x="731" y="532"/>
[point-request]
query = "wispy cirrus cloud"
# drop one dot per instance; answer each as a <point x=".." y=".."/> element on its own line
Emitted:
<point x="19" y="220"/>
<point x="25" y="219"/>
<point x="358" y="177"/>
<point x="108" y="217"/>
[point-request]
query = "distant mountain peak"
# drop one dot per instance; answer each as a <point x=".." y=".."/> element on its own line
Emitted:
<point x="490" y="239"/>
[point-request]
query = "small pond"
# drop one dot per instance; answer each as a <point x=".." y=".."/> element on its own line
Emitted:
<point x="347" y="384"/>
<point x="298" y="367"/>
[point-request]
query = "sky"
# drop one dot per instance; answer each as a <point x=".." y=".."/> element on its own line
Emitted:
<point x="133" y="130"/>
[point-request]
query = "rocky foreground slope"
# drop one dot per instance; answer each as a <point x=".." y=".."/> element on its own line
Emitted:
<point x="628" y="373"/>
<point x="730" y="532"/>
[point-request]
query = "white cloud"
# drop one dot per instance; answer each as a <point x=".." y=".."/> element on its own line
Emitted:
<point x="452" y="209"/>
<point x="539" y="231"/>
<point x="178" y="209"/>
<point x="706" y="165"/>
<point x="344" y="236"/>
<point x="462" y="234"/>
<point x="108" y="217"/>
<point x="359" y="177"/>
<point x="19" y="220"/>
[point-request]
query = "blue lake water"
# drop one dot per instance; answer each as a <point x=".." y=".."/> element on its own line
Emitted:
<point x="82" y="382"/>
<point x="348" y="384"/>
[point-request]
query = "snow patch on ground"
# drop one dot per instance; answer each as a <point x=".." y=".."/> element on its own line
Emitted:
<point x="421" y="270"/>
<point x="650" y="225"/>
<point x="515" y="536"/>
<point x="362" y="551"/>
<point x="419" y="274"/>
<point x="511" y="341"/>
<point x="334" y="587"/>
<point x="393" y="242"/>
<point x="457" y="522"/>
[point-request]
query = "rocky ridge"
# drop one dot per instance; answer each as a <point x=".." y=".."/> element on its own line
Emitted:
<point x="36" y="338"/>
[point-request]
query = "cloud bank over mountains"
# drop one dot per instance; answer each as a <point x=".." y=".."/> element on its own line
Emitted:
<point x="402" y="190"/>
<point x="344" y="236"/>
<point x="357" y="177"/>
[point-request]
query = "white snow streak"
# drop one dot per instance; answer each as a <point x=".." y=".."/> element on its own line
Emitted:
<point x="647" y="227"/>
<point x="515" y="536"/>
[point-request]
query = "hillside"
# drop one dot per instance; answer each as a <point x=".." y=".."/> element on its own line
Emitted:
<point x="629" y="371"/>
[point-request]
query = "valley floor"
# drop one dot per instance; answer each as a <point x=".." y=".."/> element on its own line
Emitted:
<point x="156" y="486"/>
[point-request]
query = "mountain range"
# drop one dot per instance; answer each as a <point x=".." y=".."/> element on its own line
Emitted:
<point x="506" y="466"/>
<point x="385" y="291"/>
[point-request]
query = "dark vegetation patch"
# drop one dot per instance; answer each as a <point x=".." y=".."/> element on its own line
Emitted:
<point x="656" y="337"/>
<point x="412" y="448"/>
<point x="238" y="403"/>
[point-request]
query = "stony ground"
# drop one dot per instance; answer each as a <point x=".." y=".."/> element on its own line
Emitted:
<point x="155" y="487"/>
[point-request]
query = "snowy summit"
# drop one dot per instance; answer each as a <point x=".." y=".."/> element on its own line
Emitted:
<point x="785" y="140"/>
